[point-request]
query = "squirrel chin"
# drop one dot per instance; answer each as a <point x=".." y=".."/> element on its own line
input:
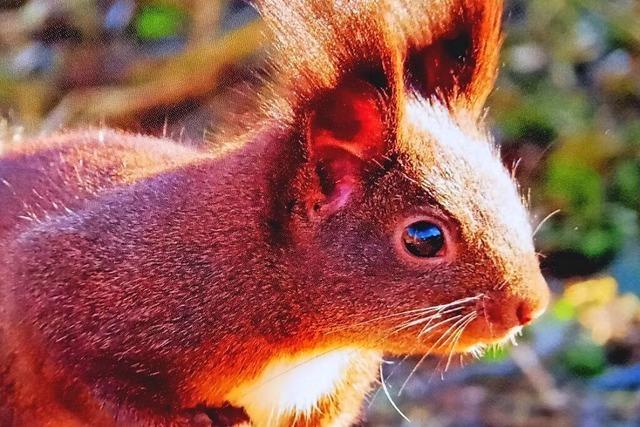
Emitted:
<point x="479" y="349"/>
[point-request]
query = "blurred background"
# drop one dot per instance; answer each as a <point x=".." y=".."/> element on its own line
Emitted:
<point x="566" y="110"/>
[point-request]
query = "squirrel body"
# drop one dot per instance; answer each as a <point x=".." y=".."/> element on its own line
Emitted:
<point x="364" y="211"/>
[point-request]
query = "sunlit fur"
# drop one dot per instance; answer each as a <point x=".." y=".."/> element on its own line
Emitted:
<point x="292" y="389"/>
<point x="147" y="283"/>
<point x="317" y="42"/>
<point x="461" y="159"/>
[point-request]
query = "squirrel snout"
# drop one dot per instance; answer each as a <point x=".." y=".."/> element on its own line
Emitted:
<point x="529" y="310"/>
<point x="512" y="309"/>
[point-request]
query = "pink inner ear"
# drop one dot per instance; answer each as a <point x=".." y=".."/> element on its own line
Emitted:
<point x="346" y="130"/>
<point x="348" y="118"/>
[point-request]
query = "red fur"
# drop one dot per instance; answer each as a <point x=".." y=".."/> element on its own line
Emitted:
<point x="142" y="282"/>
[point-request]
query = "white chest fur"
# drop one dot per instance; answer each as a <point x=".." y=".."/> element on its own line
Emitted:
<point x="293" y="386"/>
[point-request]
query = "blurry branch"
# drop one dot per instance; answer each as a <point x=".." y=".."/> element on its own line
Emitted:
<point x="541" y="380"/>
<point x="191" y="74"/>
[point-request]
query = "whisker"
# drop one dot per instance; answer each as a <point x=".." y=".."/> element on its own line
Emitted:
<point x="412" y="323"/>
<point x="395" y="368"/>
<point x="427" y="319"/>
<point x="426" y="330"/>
<point x="455" y="338"/>
<point x="447" y="334"/>
<point x="462" y="300"/>
<point x="434" y="346"/>
<point x="386" y="392"/>
<point x="415" y="368"/>
<point x="324" y="353"/>
<point x="458" y="335"/>
<point x="422" y="332"/>
<point x="393" y="371"/>
<point x="462" y="323"/>
<point x="544" y="220"/>
<point x="445" y="321"/>
<point x="449" y="309"/>
<point x="416" y="311"/>
<point x="437" y="310"/>
<point x="514" y="168"/>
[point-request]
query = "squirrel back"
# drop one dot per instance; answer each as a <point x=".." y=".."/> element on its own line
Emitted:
<point x="363" y="211"/>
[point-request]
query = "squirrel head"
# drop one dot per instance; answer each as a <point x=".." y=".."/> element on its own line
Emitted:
<point x="400" y="207"/>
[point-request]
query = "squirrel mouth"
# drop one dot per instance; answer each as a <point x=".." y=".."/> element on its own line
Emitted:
<point x="478" y="349"/>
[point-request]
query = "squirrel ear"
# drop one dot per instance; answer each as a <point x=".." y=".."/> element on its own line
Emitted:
<point x="462" y="63"/>
<point x="345" y="131"/>
<point x="443" y="67"/>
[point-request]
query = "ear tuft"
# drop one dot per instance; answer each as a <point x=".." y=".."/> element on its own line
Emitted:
<point x="461" y="63"/>
<point x="442" y="67"/>
<point x="345" y="131"/>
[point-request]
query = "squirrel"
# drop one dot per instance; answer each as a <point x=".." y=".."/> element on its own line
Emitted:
<point x="363" y="210"/>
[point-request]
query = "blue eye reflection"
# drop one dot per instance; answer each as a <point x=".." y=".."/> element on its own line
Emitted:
<point x="423" y="239"/>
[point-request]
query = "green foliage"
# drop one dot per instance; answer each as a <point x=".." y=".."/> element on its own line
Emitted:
<point x="569" y="88"/>
<point x="626" y="183"/>
<point x="563" y="310"/>
<point x="158" y="21"/>
<point x="575" y="186"/>
<point x="495" y="354"/>
<point x="584" y="359"/>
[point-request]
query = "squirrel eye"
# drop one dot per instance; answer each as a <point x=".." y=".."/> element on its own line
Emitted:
<point x="423" y="239"/>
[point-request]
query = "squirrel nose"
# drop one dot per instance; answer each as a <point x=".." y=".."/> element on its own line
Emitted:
<point x="533" y="307"/>
<point x="525" y="313"/>
<point x="519" y="308"/>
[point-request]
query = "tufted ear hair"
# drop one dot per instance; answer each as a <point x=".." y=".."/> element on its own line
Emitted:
<point x="448" y="48"/>
<point x="460" y="64"/>
<point x="345" y="132"/>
